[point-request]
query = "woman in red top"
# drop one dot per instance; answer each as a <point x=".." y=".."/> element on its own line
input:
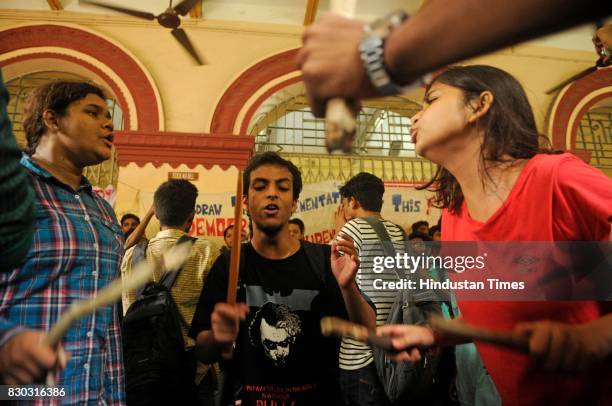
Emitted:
<point x="497" y="184"/>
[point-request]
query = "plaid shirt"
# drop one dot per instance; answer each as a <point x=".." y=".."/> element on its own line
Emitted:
<point x="76" y="252"/>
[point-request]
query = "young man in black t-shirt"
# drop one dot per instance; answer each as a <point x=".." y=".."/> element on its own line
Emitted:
<point x="280" y="356"/>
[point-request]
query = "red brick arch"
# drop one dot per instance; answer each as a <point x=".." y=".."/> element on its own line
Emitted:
<point x="121" y="63"/>
<point x="250" y="81"/>
<point x="568" y="103"/>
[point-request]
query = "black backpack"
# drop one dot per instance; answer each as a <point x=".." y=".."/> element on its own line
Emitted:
<point x="158" y="369"/>
<point x="407" y="383"/>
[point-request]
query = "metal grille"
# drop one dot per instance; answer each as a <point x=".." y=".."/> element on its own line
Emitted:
<point x="595" y="135"/>
<point x="383" y="129"/>
<point x="318" y="168"/>
<point x="19" y="88"/>
<point x="382" y="145"/>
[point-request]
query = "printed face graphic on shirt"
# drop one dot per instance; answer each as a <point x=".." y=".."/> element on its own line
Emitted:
<point x="275" y="329"/>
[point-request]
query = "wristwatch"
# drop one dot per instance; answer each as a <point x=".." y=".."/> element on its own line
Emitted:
<point x="372" y="51"/>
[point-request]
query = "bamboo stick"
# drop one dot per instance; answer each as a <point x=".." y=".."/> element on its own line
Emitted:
<point x="173" y="260"/>
<point x="232" y="284"/>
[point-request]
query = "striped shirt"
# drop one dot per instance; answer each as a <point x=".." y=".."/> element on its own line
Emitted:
<point x="76" y="251"/>
<point x="353" y="354"/>
<point x="187" y="287"/>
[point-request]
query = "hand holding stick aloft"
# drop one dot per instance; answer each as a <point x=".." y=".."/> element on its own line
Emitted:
<point x="331" y="63"/>
<point x="139" y="231"/>
<point x="340" y="125"/>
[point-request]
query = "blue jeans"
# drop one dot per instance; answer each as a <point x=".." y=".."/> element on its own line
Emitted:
<point x="361" y="387"/>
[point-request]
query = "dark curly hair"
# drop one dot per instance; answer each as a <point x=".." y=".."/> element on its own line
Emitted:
<point x="367" y="189"/>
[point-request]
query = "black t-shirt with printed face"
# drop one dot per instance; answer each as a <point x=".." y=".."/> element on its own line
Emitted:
<point x="280" y="358"/>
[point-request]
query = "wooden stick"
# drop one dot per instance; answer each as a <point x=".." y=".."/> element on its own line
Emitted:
<point x="173" y="259"/>
<point x="452" y="328"/>
<point x="460" y="330"/>
<point x="340" y="123"/>
<point x="342" y="328"/>
<point x="232" y="284"/>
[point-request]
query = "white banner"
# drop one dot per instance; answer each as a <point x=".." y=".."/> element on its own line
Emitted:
<point x="403" y="205"/>
<point x="318" y="202"/>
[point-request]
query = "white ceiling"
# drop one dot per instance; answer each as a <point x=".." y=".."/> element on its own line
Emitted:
<point x="290" y="12"/>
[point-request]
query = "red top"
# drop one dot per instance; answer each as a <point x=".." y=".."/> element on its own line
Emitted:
<point x="555" y="198"/>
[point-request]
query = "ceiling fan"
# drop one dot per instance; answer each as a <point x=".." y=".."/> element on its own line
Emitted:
<point x="601" y="62"/>
<point x="169" y="19"/>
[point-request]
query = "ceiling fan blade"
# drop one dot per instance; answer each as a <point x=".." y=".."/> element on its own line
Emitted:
<point x="185" y="6"/>
<point x="577" y="76"/>
<point x="181" y="37"/>
<point x="133" y="13"/>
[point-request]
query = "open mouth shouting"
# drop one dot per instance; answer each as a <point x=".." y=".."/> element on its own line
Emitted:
<point x="271" y="210"/>
<point x="108" y="140"/>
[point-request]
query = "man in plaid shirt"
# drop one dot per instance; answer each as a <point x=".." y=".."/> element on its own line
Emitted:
<point x="76" y="251"/>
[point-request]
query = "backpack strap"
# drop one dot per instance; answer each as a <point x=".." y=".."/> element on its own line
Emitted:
<point x="317" y="255"/>
<point x="384" y="237"/>
<point x="139" y="254"/>
<point x="419" y="297"/>
<point x="170" y="277"/>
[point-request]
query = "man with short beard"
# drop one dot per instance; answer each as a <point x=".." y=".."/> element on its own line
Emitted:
<point x="129" y="222"/>
<point x="284" y="358"/>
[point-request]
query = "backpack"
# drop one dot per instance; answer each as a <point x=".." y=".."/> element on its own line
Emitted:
<point x="158" y="369"/>
<point x="407" y="383"/>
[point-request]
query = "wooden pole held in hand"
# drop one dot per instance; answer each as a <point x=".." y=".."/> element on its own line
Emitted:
<point x="232" y="284"/>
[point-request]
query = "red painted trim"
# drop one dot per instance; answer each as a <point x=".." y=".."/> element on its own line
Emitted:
<point x="251" y="80"/>
<point x="247" y="118"/>
<point x="120" y="97"/>
<point x="576" y="92"/>
<point x="583" y="111"/>
<point x="142" y="147"/>
<point x="90" y="44"/>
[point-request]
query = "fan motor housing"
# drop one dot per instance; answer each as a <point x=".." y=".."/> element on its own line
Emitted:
<point x="169" y="19"/>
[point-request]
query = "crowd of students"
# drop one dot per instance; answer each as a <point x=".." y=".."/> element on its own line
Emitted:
<point x="498" y="181"/>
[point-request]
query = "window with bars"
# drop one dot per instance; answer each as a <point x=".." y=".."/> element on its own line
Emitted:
<point x="19" y="88"/>
<point x="382" y="144"/>
<point x="595" y="135"/>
